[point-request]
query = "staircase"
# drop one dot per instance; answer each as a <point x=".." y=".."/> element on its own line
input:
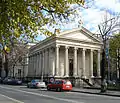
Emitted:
<point x="86" y="81"/>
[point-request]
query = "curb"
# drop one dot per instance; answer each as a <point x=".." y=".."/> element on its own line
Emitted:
<point x="105" y="94"/>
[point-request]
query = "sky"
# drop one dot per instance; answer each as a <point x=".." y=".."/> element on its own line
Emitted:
<point x="92" y="15"/>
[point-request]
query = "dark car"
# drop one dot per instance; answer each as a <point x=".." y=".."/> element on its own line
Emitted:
<point x="12" y="81"/>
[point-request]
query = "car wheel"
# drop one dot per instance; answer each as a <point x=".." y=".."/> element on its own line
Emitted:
<point x="58" y="89"/>
<point x="48" y="88"/>
<point x="27" y="86"/>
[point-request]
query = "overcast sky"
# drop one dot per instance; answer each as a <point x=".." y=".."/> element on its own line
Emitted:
<point x="92" y="15"/>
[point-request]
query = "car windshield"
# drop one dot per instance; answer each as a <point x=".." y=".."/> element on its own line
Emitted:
<point x="36" y="80"/>
<point x="67" y="82"/>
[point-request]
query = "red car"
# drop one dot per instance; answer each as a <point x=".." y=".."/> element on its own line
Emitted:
<point x="60" y="85"/>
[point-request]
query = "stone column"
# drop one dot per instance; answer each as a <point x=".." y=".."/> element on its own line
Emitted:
<point x="39" y="68"/>
<point x="66" y="62"/>
<point x="43" y="60"/>
<point x="35" y="62"/>
<point x="75" y="61"/>
<point x="50" y="63"/>
<point x="57" y="61"/>
<point x="38" y="59"/>
<point x="48" y="70"/>
<point x="29" y="65"/>
<point x="91" y="63"/>
<point x="83" y="60"/>
<point x="36" y="65"/>
<point x="98" y="64"/>
<point x="40" y="63"/>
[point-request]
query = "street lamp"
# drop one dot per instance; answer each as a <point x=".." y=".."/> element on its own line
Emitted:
<point x="14" y="63"/>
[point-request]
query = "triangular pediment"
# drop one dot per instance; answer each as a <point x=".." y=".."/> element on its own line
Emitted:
<point x="80" y="35"/>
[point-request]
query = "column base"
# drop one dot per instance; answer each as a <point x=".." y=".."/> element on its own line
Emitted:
<point x="56" y="76"/>
<point x="99" y="76"/>
<point x="84" y="77"/>
<point x="75" y="76"/>
<point x="66" y="75"/>
<point x="92" y="76"/>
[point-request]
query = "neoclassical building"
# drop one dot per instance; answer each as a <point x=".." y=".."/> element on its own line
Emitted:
<point x="66" y="54"/>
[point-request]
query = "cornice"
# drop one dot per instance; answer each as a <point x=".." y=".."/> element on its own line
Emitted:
<point x="78" y="41"/>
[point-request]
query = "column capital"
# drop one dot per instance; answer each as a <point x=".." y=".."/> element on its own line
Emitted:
<point x="91" y="50"/>
<point x="84" y="49"/>
<point x="99" y="51"/>
<point x="66" y="47"/>
<point x="75" y="48"/>
<point x="57" y="46"/>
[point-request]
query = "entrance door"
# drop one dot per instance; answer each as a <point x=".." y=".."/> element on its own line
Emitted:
<point x="70" y="67"/>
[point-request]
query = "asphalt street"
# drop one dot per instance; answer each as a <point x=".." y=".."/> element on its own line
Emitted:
<point x="21" y="94"/>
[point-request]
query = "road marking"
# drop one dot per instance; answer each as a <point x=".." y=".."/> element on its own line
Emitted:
<point x="52" y="97"/>
<point x="14" y="100"/>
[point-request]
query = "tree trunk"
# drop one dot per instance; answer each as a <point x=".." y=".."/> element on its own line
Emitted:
<point x="6" y="65"/>
<point x="103" y="81"/>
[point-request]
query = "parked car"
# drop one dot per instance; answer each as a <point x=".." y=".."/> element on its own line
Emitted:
<point x="1" y="80"/>
<point x="36" y="83"/>
<point x="12" y="81"/>
<point x="60" y="85"/>
<point x="7" y="80"/>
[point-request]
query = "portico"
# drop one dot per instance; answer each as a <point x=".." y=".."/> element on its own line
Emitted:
<point x="67" y="54"/>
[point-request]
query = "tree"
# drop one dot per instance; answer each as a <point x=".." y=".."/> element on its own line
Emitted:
<point x="114" y="44"/>
<point x="21" y="20"/>
<point x="115" y="54"/>
<point x="106" y="29"/>
<point x="16" y="56"/>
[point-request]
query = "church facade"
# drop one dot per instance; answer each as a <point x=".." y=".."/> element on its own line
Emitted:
<point x="66" y="54"/>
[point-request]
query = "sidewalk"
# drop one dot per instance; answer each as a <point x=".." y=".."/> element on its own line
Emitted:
<point x="96" y="91"/>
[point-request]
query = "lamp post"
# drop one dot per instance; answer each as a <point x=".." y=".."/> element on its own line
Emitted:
<point x="14" y="56"/>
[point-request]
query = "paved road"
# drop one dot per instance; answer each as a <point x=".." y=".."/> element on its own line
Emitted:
<point x="21" y="94"/>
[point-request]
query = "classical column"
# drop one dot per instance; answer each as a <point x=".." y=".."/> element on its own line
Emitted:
<point x="91" y="63"/>
<point x="83" y="60"/>
<point x="75" y="61"/>
<point x="35" y="65"/>
<point x="29" y="65"/>
<point x="66" y="61"/>
<point x="57" y="61"/>
<point x="50" y="63"/>
<point x="38" y="59"/>
<point x="32" y="67"/>
<point x="48" y="70"/>
<point x="39" y="65"/>
<point x="43" y="60"/>
<point x="98" y="64"/>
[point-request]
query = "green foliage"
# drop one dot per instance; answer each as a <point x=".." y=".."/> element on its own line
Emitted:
<point x="21" y="19"/>
<point x="114" y="45"/>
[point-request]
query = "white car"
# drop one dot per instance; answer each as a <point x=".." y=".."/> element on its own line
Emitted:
<point x="36" y="83"/>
